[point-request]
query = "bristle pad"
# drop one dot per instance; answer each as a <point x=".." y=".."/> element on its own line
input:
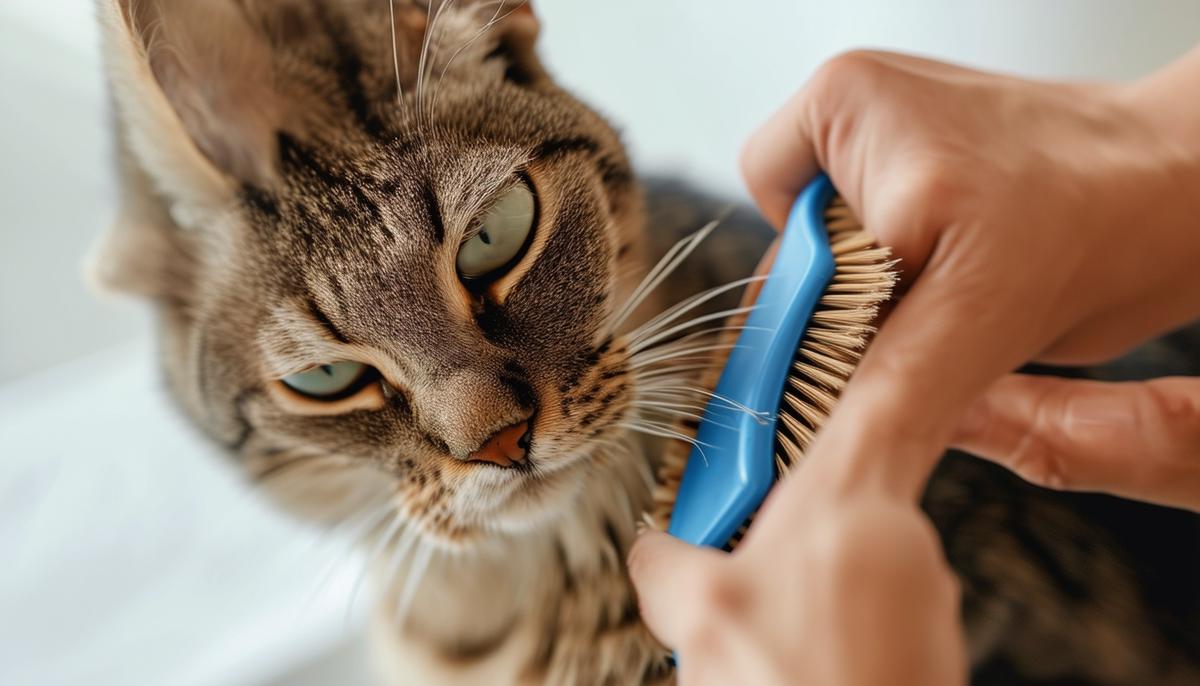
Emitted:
<point x="837" y="333"/>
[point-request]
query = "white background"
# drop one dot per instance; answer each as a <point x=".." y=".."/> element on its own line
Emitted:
<point x="131" y="556"/>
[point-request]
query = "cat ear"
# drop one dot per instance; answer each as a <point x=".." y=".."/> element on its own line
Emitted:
<point x="517" y="34"/>
<point x="191" y="82"/>
<point x="193" y="85"/>
<point x="143" y="253"/>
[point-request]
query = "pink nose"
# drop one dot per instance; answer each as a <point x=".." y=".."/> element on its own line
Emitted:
<point x="506" y="447"/>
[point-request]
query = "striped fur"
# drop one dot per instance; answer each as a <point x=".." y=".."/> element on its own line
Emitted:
<point x="297" y="176"/>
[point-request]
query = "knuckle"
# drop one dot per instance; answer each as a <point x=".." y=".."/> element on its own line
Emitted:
<point x="1035" y="461"/>
<point x="719" y="594"/>
<point x="932" y="182"/>
<point x="851" y="67"/>
<point x="1034" y="457"/>
<point x="1177" y="403"/>
<point x="842" y="81"/>
<point x="749" y="161"/>
<point x="913" y="208"/>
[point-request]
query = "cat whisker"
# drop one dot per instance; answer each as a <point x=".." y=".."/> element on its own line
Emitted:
<point x="399" y="551"/>
<point x="624" y="443"/>
<point x="431" y="24"/>
<point x="682" y="371"/>
<point x="659" y="429"/>
<point x="666" y="353"/>
<point x="759" y="415"/>
<point x="664" y="388"/>
<point x="393" y="530"/>
<point x="395" y="54"/>
<point x="708" y="336"/>
<point x="671" y="393"/>
<point x="496" y="18"/>
<point x="681" y="414"/>
<point x="686" y="305"/>
<point x="416" y="574"/>
<point x="665" y="266"/>
<point x="711" y="333"/>
<point x="670" y="364"/>
<point x="664" y="431"/>
<point x="666" y="413"/>
<point x="688" y="337"/>
<point x="408" y="537"/>
<point x="281" y="467"/>
<point x="635" y="347"/>
<point x="682" y="403"/>
<point x="362" y="526"/>
<point x="669" y="263"/>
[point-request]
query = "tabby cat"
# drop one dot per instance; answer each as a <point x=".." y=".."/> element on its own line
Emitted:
<point x="399" y="275"/>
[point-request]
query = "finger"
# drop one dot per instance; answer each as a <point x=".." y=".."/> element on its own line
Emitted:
<point x="778" y="160"/>
<point x="671" y="579"/>
<point x="1136" y="439"/>
<point x="820" y="126"/>
<point x="938" y="350"/>
<point x="827" y="125"/>
<point x="924" y="66"/>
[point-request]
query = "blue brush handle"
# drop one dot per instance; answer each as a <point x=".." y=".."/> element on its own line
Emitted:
<point x="732" y="468"/>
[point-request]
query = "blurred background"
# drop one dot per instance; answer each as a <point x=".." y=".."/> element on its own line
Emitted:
<point x="132" y="556"/>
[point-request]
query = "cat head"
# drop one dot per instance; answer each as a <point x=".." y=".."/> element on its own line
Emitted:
<point x="384" y="245"/>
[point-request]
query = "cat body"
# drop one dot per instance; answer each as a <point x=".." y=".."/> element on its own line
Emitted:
<point x="300" y="185"/>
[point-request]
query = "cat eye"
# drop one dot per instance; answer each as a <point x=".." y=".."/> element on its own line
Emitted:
<point x="332" y="381"/>
<point x="502" y="236"/>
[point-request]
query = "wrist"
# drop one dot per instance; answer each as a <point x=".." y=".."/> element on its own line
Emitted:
<point x="1164" y="186"/>
<point x="1169" y="104"/>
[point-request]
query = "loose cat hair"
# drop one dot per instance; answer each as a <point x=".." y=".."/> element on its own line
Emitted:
<point x="299" y="182"/>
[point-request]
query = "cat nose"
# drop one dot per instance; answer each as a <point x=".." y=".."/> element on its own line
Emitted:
<point x="506" y="447"/>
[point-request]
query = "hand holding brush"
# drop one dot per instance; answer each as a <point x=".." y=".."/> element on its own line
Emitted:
<point x="1033" y="222"/>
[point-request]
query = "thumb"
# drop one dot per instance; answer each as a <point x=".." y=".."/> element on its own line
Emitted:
<point x="672" y="579"/>
<point x="1135" y="439"/>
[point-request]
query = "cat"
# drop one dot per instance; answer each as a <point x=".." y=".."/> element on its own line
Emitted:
<point x="400" y="275"/>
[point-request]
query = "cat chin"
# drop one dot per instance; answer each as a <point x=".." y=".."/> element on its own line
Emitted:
<point x="535" y="505"/>
<point x="540" y="501"/>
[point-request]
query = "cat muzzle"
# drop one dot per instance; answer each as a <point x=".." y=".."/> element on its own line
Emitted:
<point x="507" y="447"/>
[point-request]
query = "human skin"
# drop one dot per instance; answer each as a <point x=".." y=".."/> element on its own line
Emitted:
<point x="1034" y="221"/>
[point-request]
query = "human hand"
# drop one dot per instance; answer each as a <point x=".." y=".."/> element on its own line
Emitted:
<point x="826" y="588"/>
<point x="1034" y="221"/>
<point x="1140" y="440"/>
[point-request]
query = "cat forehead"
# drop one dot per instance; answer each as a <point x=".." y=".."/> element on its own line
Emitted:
<point x="347" y="200"/>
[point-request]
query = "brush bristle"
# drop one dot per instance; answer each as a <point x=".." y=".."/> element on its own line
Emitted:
<point x="837" y="335"/>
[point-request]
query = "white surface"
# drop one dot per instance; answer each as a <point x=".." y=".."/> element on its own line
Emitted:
<point x="689" y="79"/>
<point x="56" y="190"/>
<point x="131" y="555"/>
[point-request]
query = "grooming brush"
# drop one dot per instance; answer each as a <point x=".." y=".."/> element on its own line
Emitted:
<point x="800" y="344"/>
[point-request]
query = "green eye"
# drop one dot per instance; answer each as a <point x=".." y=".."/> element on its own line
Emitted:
<point x="332" y="381"/>
<point x="503" y="234"/>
